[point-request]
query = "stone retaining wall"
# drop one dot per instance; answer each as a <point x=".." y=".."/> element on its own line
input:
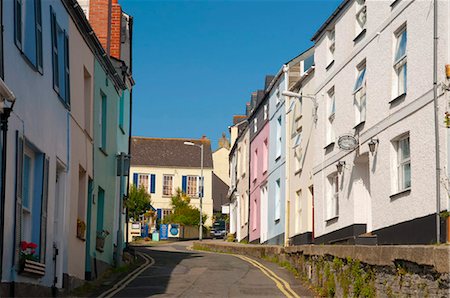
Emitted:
<point x="361" y="271"/>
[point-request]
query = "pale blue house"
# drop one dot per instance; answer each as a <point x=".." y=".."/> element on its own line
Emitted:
<point x="277" y="173"/>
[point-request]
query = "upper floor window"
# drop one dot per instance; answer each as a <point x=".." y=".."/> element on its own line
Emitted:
<point x="28" y="30"/>
<point x="255" y="165"/>
<point x="103" y="122"/>
<point x="265" y="112"/>
<point x="331" y="45"/>
<point x="361" y="16"/>
<point x="278" y="140"/>
<point x="277" y="96"/>
<point x="400" y="81"/>
<point x="255" y="125"/>
<point x="331" y="104"/>
<point x="192" y="186"/>
<point x="167" y="185"/>
<point x="359" y="92"/>
<point x="265" y="155"/>
<point x="60" y="59"/>
<point x="122" y="112"/>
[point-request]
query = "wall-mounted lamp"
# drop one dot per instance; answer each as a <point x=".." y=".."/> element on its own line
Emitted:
<point x="373" y="144"/>
<point x="340" y="165"/>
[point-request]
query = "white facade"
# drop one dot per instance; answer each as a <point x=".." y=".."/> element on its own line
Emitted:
<point x="388" y="190"/>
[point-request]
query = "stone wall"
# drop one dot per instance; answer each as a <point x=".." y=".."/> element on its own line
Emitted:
<point x="361" y="271"/>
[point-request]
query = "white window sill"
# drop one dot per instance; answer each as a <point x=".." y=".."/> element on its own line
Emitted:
<point x="332" y="219"/>
<point x="329" y="65"/>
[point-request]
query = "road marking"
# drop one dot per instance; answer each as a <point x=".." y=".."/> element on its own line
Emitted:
<point x="149" y="261"/>
<point x="282" y="285"/>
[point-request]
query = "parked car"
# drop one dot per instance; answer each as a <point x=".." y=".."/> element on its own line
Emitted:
<point x="218" y="229"/>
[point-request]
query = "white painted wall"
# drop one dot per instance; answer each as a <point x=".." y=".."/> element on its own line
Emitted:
<point x="384" y="121"/>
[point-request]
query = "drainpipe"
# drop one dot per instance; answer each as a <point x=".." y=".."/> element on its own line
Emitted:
<point x="4" y="129"/>
<point x="436" y="121"/>
<point x="287" y="142"/>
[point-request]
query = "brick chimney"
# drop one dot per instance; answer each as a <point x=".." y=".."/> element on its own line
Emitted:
<point x="105" y="17"/>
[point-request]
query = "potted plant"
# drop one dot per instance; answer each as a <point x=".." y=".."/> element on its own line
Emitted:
<point x="29" y="261"/>
<point x="81" y="229"/>
<point x="100" y="240"/>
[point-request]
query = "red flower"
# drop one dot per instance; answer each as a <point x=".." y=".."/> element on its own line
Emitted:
<point x="23" y="245"/>
<point x="32" y="245"/>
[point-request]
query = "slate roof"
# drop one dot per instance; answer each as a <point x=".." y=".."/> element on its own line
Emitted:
<point x="163" y="152"/>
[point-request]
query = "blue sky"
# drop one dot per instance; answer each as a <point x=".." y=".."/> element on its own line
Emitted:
<point x="196" y="63"/>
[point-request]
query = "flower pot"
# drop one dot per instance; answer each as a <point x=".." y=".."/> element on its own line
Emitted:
<point x="99" y="243"/>
<point x="31" y="268"/>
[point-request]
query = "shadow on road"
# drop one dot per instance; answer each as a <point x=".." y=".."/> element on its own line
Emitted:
<point x="155" y="280"/>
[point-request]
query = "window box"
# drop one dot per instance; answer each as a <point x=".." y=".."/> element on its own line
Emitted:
<point x="100" y="240"/>
<point x="29" y="261"/>
<point x="31" y="268"/>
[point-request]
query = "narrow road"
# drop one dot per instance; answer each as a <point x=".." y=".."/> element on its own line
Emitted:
<point x="180" y="272"/>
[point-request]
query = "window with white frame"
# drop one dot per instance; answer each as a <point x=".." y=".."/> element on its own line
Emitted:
<point x="277" y="200"/>
<point x="277" y="96"/>
<point x="278" y="140"/>
<point x="400" y="69"/>
<point x="192" y="186"/>
<point x="255" y="165"/>
<point x="331" y="111"/>
<point x="265" y="155"/>
<point x="265" y="112"/>
<point x="402" y="146"/>
<point x="254" y="218"/>
<point x="331" y="46"/>
<point x="244" y="157"/>
<point x="361" y="16"/>
<point x="298" y="211"/>
<point x="240" y="162"/>
<point x="255" y="125"/>
<point x="167" y="185"/>
<point x="144" y="181"/>
<point x="165" y="212"/>
<point x="359" y="94"/>
<point x="333" y="196"/>
<point x="298" y="155"/>
<point x="31" y="197"/>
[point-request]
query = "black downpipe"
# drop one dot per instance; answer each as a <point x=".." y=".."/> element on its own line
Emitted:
<point x="4" y="129"/>
<point x="131" y="118"/>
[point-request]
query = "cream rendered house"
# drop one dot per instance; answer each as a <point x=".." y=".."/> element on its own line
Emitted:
<point x="163" y="165"/>
<point x="300" y="144"/>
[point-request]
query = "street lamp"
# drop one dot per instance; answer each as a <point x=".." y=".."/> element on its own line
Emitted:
<point x="5" y="112"/>
<point x="200" y="232"/>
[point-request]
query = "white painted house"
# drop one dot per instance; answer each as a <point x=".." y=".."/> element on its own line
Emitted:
<point x="374" y="85"/>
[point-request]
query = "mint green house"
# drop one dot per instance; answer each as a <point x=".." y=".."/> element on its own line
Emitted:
<point x="111" y="133"/>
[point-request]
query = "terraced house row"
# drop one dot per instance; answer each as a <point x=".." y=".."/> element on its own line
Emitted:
<point x="66" y="89"/>
<point x="349" y="141"/>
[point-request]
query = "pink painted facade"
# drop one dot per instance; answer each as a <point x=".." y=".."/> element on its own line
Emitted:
<point x="259" y="152"/>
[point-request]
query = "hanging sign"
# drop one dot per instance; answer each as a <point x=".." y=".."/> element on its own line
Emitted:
<point x="347" y="142"/>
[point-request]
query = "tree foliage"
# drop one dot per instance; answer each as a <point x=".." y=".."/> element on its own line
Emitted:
<point x="138" y="202"/>
<point x="182" y="211"/>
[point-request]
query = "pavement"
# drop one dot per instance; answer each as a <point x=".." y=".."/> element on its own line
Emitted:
<point x="174" y="270"/>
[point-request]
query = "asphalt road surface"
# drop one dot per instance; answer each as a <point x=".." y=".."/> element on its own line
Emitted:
<point x="176" y="271"/>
